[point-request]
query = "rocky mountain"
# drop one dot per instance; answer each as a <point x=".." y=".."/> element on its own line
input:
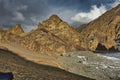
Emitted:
<point x="17" y="30"/>
<point x="101" y="33"/>
<point x="61" y="29"/>
<point x="53" y="36"/>
<point x="12" y="34"/>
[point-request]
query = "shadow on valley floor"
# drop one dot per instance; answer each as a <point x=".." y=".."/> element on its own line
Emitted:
<point x="27" y="70"/>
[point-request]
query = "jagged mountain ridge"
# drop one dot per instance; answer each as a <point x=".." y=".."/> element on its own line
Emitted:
<point x="11" y="34"/>
<point x="102" y="32"/>
<point x="61" y="29"/>
<point x="52" y="36"/>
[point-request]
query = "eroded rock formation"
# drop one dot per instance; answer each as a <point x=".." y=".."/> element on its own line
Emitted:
<point x="61" y="29"/>
<point x="11" y="34"/>
<point x="53" y="36"/>
<point x="104" y="30"/>
<point x="17" y="30"/>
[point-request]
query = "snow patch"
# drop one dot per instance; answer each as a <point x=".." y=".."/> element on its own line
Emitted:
<point x="111" y="58"/>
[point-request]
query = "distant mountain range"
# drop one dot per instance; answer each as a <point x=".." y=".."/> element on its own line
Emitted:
<point x="54" y="36"/>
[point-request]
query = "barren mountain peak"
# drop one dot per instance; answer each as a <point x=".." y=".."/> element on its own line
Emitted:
<point x="18" y="26"/>
<point x="54" y="17"/>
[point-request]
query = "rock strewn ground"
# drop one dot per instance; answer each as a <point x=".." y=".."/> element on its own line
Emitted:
<point x="26" y="70"/>
<point x="91" y="65"/>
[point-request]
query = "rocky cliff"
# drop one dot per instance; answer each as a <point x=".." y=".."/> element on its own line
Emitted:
<point x="101" y="33"/>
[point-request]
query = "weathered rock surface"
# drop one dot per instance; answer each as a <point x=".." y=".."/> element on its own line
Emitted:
<point x="43" y="41"/>
<point x="12" y="34"/>
<point x="61" y="29"/>
<point x="17" y="30"/>
<point x="102" y="32"/>
<point x="52" y="36"/>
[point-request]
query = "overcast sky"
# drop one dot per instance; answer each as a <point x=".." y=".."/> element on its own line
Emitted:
<point x="30" y="12"/>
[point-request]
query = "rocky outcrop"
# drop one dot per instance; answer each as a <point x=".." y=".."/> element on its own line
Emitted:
<point x="53" y="36"/>
<point x="102" y="31"/>
<point x="17" y="30"/>
<point x="63" y="30"/>
<point x="11" y="34"/>
<point x="42" y="41"/>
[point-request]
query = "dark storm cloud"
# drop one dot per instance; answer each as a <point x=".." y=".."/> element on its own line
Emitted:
<point x="83" y="5"/>
<point x="68" y="9"/>
<point x="30" y="12"/>
<point x="26" y="12"/>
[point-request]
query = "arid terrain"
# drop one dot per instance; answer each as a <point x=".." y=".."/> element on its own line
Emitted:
<point x="92" y="65"/>
<point x="26" y="70"/>
<point x="55" y="43"/>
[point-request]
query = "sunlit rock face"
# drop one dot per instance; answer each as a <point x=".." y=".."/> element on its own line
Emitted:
<point x="104" y="31"/>
<point x="11" y="34"/>
<point x="61" y="29"/>
<point x="17" y="30"/>
<point x="42" y="41"/>
<point x="53" y="36"/>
